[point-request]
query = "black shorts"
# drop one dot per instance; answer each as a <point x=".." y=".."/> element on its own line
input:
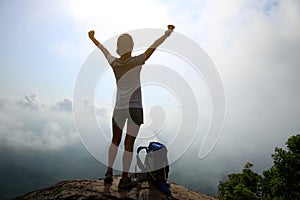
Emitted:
<point x="133" y="116"/>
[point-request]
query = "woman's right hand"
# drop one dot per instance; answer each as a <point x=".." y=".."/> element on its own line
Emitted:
<point x="170" y="30"/>
<point x="91" y="33"/>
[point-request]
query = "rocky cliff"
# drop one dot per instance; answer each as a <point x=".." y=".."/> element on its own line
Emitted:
<point x="97" y="189"/>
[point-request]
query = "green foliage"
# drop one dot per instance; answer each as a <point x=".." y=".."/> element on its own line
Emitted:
<point x="243" y="193"/>
<point x="241" y="186"/>
<point x="280" y="182"/>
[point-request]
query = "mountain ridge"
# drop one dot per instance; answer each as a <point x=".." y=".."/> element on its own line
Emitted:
<point x="97" y="189"/>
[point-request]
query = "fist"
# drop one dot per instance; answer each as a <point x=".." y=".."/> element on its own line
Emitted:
<point x="91" y="33"/>
<point x="171" y="27"/>
<point x="170" y="30"/>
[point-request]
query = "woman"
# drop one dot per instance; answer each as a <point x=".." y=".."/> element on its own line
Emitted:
<point x="128" y="108"/>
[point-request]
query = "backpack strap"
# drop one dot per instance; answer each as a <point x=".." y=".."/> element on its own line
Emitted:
<point x="141" y="148"/>
<point x="139" y="162"/>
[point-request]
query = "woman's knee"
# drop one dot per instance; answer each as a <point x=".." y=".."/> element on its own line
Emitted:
<point x="129" y="143"/>
<point x="116" y="141"/>
<point x="129" y="147"/>
<point x="117" y="136"/>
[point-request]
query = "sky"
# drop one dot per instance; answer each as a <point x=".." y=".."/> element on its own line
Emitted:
<point x="44" y="44"/>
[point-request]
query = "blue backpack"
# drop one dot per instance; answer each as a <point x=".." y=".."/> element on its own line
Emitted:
<point x="155" y="167"/>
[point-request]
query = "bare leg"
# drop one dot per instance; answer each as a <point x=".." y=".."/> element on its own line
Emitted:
<point x="113" y="149"/>
<point x="132" y="131"/>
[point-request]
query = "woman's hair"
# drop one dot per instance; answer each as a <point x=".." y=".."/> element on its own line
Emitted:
<point x="124" y="44"/>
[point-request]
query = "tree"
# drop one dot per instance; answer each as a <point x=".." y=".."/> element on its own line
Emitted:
<point x="282" y="180"/>
<point x="240" y="186"/>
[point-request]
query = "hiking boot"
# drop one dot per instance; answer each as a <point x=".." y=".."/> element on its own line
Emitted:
<point x="127" y="183"/>
<point x="108" y="178"/>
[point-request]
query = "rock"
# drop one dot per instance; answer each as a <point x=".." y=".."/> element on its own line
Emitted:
<point x="97" y="189"/>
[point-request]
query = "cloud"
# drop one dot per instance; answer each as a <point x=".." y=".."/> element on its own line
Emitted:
<point x="31" y="101"/>
<point x="30" y="123"/>
<point x="100" y="110"/>
<point x="6" y="102"/>
<point x="64" y="104"/>
<point x="19" y="132"/>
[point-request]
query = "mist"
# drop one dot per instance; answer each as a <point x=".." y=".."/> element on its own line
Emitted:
<point x="45" y="148"/>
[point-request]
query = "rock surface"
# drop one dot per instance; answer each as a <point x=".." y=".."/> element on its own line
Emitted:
<point x="97" y="189"/>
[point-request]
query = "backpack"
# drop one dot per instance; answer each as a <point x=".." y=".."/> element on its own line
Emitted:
<point x="155" y="166"/>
